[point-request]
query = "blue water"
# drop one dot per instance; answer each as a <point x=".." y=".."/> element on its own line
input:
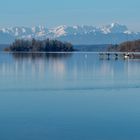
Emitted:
<point x="69" y="97"/>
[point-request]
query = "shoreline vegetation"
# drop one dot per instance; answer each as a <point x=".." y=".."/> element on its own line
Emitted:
<point x="128" y="46"/>
<point x="21" y="45"/>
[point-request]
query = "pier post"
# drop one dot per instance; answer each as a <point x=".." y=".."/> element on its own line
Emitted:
<point x="116" y="56"/>
<point x="108" y="56"/>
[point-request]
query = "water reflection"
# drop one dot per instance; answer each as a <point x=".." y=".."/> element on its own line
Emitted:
<point x="40" y="69"/>
<point x="74" y="96"/>
<point x="35" y="56"/>
<point x="67" y="66"/>
<point x="41" y="63"/>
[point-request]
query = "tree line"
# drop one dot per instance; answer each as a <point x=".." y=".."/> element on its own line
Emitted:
<point x="21" y="45"/>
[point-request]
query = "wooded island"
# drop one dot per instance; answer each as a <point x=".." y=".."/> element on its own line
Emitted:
<point x="21" y="45"/>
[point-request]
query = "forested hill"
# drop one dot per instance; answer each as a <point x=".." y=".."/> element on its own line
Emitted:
<point x="129" y="46"/>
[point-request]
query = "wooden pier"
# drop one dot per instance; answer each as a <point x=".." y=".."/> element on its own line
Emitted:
<point x="117" y="55"/>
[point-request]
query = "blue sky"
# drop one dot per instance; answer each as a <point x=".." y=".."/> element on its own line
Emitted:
<point x="70" y="12"/>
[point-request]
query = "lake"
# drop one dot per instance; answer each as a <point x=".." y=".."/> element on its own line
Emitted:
<point x="68" y="97"/>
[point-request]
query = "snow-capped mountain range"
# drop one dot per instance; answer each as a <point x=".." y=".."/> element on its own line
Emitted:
<point x="109" y="34"/>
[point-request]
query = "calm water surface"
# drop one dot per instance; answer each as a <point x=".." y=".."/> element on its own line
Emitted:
<point x="68" y="97"/>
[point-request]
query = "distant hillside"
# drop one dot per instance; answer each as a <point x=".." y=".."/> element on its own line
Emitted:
<point x="129" y="46"/>
<point x="110" y="34"/>
<point x="91" y="48"/>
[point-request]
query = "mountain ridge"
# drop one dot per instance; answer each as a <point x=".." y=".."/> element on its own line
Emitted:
<point x="109" y="34"/>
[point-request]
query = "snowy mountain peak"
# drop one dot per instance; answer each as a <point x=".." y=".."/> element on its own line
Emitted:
<point x="114" y="28"/>
<point x="58" y="31"/>
<point x="115" y="24"/>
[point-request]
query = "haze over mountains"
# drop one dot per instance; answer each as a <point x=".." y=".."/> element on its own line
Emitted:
<point x="110" y="34"/>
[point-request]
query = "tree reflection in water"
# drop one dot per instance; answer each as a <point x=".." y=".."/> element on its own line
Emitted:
<point x="34" y="56"/>
<point x="42" y="64"/>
